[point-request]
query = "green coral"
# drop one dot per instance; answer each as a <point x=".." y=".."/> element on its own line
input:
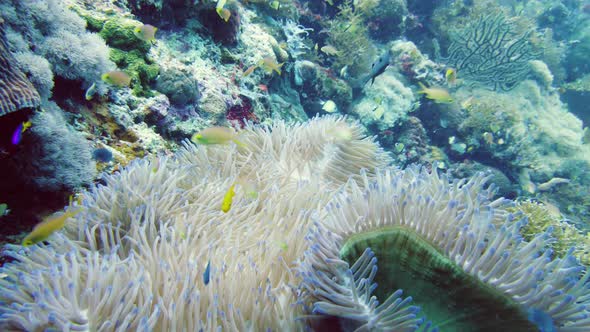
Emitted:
<point x="130" y="54"/>
<point x="127" y="51"/>
<point x="540" y="217"/>
<point x="142" y="72"/>
<point x="348" y="33"/>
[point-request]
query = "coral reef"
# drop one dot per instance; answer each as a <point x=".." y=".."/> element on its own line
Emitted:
<point x="385" y="103"/>
<point x="57" y="157"/>
<point x="51" y="30"/>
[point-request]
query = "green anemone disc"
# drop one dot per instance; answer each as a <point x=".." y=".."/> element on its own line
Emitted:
<point x="452" y="299"/>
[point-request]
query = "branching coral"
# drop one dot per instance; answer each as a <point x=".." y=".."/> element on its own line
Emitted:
<point x="296" y="34"/>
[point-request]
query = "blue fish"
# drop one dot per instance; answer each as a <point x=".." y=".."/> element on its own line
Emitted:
<point x="206" y="273"/>
<point x="17" y="135"/>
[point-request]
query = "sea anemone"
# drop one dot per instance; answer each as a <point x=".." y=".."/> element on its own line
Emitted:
<point x="134" y="257"/>
<point x="446" y="243"/>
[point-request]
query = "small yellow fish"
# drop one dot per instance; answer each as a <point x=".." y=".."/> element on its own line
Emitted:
<point x="439" y="95"/>
<point x="275" y="5"/>
<point x="216" y="135"/>
<point x="330" y="50"/>
<point x="329" y="106"/>
<point x="250" y="70"/>
<point x="228" y="198"/>
<point x="90" y="92"/>
<point x="146" y="32"/>
<point x="488" y="138"/>
<point x="269" y="65"/>
<point x="451" y="76"/>
<point x="47" y="227"/>
<point x="116" y="77"/>
<point x="224" y="13"/>
<point x="26" y="125"/>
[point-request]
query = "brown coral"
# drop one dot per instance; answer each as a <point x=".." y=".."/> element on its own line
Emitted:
<point x="16" y="92"/>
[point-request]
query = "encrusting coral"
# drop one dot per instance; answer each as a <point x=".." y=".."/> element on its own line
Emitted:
<point x="135" y="256"/>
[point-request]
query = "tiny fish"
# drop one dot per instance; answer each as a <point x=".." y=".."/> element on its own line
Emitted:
<point x="329" y="106"/>
<point x="228" y="198"/>
<point x="116" y="77"/>
<point x="330" y="50"/>
<point x="275" y="5"/>
<point x="216" y="135"/>
<point x="206" y="274"/>
<point x="451" y="76"/>
<point x="146" y="32"/>
<point x="4" y="209"/>
<point x="224" y="13"/>
<point x="26" y="125"/>
<point x="379" y="111"/>
<point x="439" y="95"/>
<point x="250" y="70"/>
<point x="378" y="67"/>
<point x="17" y="135"/>
<point x="269" y="65"/>
<point x="552" y="183"/>
<point x="488" y="137"/>
<point x="90" y="92"/>
<point x="47" y="227"/>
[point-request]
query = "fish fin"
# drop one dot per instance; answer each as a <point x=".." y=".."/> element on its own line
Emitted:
<point x="373" y="80"/>
<point x="240" y="144"/>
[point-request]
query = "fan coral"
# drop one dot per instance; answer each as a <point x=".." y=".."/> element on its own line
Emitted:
<point x="134" y="257"/>
<point x="458" y="219"/>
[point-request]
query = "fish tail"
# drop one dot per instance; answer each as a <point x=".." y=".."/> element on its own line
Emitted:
<point x="422" y="88"/>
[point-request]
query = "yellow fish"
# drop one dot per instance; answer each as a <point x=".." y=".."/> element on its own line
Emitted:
<point x="269" y="65"/>
<point x="330" y="50"/>
<point x="224" y="13"/>
<point x="439" y="95"/>
<point x="228" y="198"/>
<point x="47" y="227"/>
<point x="216" y="135"/>
<point x="117" y="77"/>
<point x="451" y="76"/>
<point x="250" y="70"/>
<point x="26" y="125"/>
<point x="146" y="32"/>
